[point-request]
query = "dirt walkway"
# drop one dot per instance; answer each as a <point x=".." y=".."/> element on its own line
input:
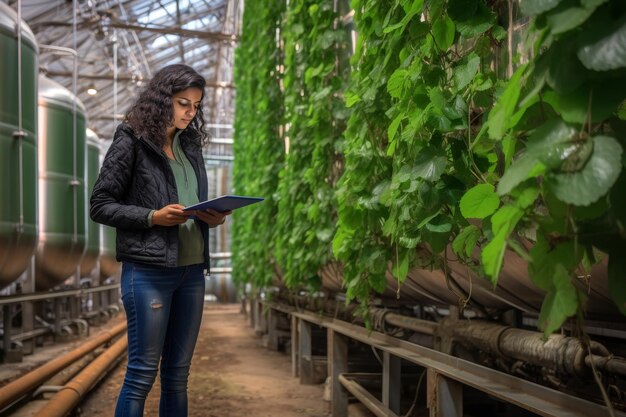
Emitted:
<point x="232" y="375"/>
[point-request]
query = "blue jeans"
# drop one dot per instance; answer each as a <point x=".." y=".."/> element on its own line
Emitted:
<point x="163" y="309"/>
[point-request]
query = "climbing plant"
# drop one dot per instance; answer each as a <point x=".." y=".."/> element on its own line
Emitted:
<point x="559" y="121"/>
<point x="436" y="138"/>
<point x="258" y="147"/>
<point x="415" y="72"/>
<point x="315" y="71"/>
<point x="475" y="129"/>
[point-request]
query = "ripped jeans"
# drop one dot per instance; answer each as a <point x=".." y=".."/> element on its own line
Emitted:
<point x="163" y="309"/>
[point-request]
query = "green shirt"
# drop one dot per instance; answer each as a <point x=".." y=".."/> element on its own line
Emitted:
<point x="190" y="241"/>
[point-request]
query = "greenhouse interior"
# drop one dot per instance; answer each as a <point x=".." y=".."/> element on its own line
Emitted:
<point x="313" y="208"/>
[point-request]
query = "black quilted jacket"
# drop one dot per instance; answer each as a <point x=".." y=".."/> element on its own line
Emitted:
<point x="135" y="178"/>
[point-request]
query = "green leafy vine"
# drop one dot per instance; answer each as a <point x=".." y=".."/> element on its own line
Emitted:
<point x="258" y="146"/>
<point x="475" y="130"/>
<point x="315" y="116"/>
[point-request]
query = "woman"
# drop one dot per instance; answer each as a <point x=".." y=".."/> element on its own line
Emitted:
<point x="153" y="169"/>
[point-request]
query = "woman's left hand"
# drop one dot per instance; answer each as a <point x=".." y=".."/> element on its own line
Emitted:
<point x="211" y="217"/>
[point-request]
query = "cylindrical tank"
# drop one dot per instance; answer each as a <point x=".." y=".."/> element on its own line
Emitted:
<point x="110" y="268"/>
<point x="515" y="290"/>
<point x="62" y="196"/>
<point x="93" y="229"/>
<point x="18" y="153"/>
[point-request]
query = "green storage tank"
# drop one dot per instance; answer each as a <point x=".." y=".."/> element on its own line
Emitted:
<point x="62" y="190"/>
<point x="18" y="154"/>
<point x="110" y="268"/>
<point x="93" y="229"/>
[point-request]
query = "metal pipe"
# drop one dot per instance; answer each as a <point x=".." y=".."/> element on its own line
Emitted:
<point x="367" y="399"/>
<point x="70" y="395"/>
<point x="561" y="353"/>
<point x="607" y="363"/>
<point x="75" y="181"/>
<point x="411" y="323"/>
<point x="43" y="295"/>
<point x="115" y="75"/>
<point x="23" y="385"/>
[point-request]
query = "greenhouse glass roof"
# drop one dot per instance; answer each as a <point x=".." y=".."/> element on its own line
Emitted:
<point x="127" y="41"/>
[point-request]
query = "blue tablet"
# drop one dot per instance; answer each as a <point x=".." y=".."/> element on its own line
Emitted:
<point x="225" y="203"/>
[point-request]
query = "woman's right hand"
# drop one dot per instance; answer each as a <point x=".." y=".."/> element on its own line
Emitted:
<point x="170" y="215"/>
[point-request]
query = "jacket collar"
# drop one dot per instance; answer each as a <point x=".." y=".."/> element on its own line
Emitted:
<point x="186" y="145"/>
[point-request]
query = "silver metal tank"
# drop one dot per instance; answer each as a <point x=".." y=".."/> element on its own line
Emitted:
<point x="94" y="229"/>
<point x="18" y="152"/>
<point x="110" y="268"/>
<point x="62" y="191"/>
<point x="515" y="290"/>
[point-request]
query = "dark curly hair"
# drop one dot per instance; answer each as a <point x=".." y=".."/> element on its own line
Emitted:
<point x="151" y="113"/>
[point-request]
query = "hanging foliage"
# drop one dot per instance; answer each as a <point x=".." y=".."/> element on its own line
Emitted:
<point x="315" y="114"/>
<point x="436" y="138"/>
<point x="258" y="147"/>
<point x="475" y="129"/>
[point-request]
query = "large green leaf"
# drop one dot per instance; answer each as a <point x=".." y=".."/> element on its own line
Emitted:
<point x="479" y="202"/>
<point x="492" y="257"/>
<point x="430" y="164"/>
<point x="437" y="98"/>
<point x="565" y="72"/>
<point x="482" y="20"/>
<point x="574" y="107"/>
<point x="505" y="219"/>
<point x="396" y="81"/>
<point x="526" y="196"/>
<point x="607" y="53"/>
<point x="533" y="7"/>
<point x="546" y="256"/>
<point x="503" y="222"/>
<point x="617" y="280"/>
<point x="443" y="32"/>
<point x="464" y="74"/>
<point x="460" y="10"/>
<point x="595" y="179"/>
<point x="552" y="143"/>
<point x="592" y="3"/>
<point x="525" y="167"/>
<point x="500" y="116"/>
<point x="561" y="21"/>
<point x="393" y="127"/>
<point x="465" y="242"/>
<point x="560" y="303"/>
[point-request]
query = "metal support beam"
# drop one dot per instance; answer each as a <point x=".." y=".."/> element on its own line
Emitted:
<point x="47" y="295"/>
<point x="337" y="365"/>
<point x="508" y="388"/>
<point x="445" y="396"/>
<point x="294" y="346"/>
<point x="271" y="330"/>
<point x="127" y="78"/>
<point x="392" y="373"/>
<point x="209" y="36"/>
<point x="262" y="319"/>
<point x="305" y="355"/>
<point x="363" y="395"/>
<point x="7" y="327"/>
<point x="258" y="313"/>
<point x="58" y="313"/>
<point x="28" y="308"/>
<point x="251" y="310"/>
